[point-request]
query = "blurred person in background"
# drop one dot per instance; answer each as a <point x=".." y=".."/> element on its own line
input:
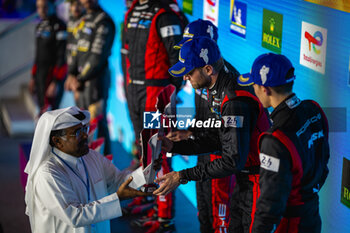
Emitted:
<point x="75" y="13"/>
<point x="151" y="29"/>
<point x="89" y="74"/>
<point x="124" y="51"/>
<point x="50" y="69"/>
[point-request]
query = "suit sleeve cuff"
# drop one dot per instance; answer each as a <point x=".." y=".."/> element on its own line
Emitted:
<point x="187" y="174"/>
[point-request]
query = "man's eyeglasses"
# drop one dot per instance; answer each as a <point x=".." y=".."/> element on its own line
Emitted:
<point x="78" y="133"/>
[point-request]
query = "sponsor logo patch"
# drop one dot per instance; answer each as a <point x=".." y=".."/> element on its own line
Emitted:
<point x="293" y="102"/>
<point x="269" y="163"/>
<point x="171" y="30"/>
<point x="233" y="121"/>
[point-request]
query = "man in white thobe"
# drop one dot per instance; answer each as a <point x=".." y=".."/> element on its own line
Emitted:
<point x="71" y="188"/>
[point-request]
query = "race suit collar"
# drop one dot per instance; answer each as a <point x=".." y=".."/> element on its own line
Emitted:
<point x="214" y="90"/>
<point x="290" y="102"/>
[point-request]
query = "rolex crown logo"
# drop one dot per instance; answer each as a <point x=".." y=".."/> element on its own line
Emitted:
<point x="272" y="24"/>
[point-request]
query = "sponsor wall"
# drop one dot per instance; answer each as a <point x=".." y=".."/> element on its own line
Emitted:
<point x="316" y="38"/>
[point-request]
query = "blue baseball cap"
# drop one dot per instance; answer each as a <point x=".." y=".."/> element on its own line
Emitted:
<point x="197" y="52"/>
<point x="197" y="28"/>
<point x="269" y="70"/>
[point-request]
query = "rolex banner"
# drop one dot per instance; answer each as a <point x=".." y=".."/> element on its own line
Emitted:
<point x="187" y="6"/>
<point x="272" y="31"/>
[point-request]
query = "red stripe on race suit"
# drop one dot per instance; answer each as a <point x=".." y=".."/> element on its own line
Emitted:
<point x="34" y="69"/>
<point x="221" y="190"/>
<point x="297" y="168"/>
<point x="156" y="56"/>
<point x="127" y="63"/>
<point x="152" y="93"/>
<point x="256" y="194"/>
<point x="60" y="72"/>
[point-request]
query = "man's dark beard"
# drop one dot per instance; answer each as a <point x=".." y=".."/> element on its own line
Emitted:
<point x="83" y="148"/>
<point x="206" y="84"/>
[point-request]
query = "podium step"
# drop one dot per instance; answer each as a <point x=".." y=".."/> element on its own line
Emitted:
<point x="16" y="118"/>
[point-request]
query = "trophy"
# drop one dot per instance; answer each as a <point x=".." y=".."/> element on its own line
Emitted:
<point x="151" y="147"/>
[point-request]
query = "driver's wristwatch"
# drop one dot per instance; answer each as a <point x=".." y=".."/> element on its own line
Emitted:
<point x="182" y="179"/>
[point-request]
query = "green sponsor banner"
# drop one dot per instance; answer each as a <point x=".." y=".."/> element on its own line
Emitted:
<point x="187" y="6"/>
<point x="272" y="31"/>
<point x="345" y="183"/>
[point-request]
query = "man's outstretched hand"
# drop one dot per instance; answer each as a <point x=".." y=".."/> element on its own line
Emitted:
<point x="125" y="192"/>
<point x="169" y="182"/>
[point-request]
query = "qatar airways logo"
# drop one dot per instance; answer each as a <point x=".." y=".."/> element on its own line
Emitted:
<point x="313" y="46"/>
